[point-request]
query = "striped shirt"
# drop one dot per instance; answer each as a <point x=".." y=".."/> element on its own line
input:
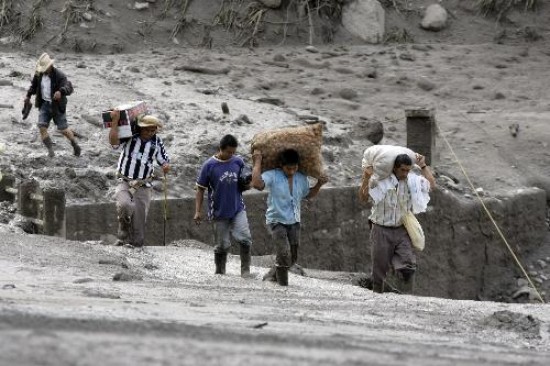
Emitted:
<point x="389" y="211"/>
<point x="138" y="157"/>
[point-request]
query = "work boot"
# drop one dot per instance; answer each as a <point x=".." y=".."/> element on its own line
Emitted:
<point x="49" y="145"/>
<point x="76" y="148"/>
<point x="220" y="259"/>
<point x="282" y="275"/>
<point x="245" y="261"/>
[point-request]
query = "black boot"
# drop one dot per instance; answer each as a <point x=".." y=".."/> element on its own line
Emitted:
<point x="76" y="148"/>
<point x="49" y="145"/>
<point x="282" y="275"/>
<point x="220" y="259"/>
<point x="378" y="286"/>
<point x="406" y="280"/>
<point x="245" y="261"/>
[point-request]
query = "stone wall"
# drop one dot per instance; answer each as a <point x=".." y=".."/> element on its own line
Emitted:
<point x="465" y="258"/>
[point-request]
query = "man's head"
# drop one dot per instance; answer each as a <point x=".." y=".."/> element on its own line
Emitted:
<point x="148" y="126"/>
<point x="289" y="160"/>
<point x="228" y="147"/>
<point x="402" y="166"/>
<point x="44" y="64"/>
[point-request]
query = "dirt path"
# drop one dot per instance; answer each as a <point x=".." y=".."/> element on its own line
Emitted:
<point x="66" y="309"/>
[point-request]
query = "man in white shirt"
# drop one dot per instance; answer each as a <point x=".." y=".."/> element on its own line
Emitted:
<point x="391" y="244"/>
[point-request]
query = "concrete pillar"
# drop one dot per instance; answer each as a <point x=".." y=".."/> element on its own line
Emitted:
<point x="25" y="204"/>
<point x="54" y="212"/>
<point x="7" y="182"/>
<point x="421" y="132"/>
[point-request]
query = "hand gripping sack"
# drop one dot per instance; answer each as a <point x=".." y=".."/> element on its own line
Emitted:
<point x="306" y="140"/>
<point x="414" y="229"/>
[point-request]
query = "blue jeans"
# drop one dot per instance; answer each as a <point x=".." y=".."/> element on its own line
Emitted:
<point x="47" y="114"/>
<point x="236" y="227"/>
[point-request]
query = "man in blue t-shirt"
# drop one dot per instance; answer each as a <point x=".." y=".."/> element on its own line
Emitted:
<point x="220" y="175"/>
<point x="287" y="188"/>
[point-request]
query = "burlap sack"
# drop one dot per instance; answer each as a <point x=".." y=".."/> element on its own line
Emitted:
<point x="306" y="140"/>
<point x="382" y="158"/>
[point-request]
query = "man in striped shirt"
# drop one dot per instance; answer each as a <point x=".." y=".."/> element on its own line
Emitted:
<point x="391" y="244"/>
<point x="135" y="172"/>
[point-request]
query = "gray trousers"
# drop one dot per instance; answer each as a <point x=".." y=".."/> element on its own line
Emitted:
<point x="136" y="206"/>
<point x="391" y="247"/>
<point x="237" y="227"/>
<point x="283" y="237"/>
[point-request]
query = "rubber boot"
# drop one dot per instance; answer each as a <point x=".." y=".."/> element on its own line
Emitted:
<point x="245" y="261"/>
<point x="220" y="259"/>
<point x="76" y="148"/>
<point x="282" y="275"/>
<point x="406" y="280"/>
<point x="49" y="145"/>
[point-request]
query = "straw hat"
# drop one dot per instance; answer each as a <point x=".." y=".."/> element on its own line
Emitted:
<point x="149" y="121"/>
<point x="43" y="63"/>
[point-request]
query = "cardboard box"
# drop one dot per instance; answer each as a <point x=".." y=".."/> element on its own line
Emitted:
<point x="128" y="115"/>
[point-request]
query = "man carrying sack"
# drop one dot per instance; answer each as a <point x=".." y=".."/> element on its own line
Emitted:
<point x="393" y="197"/>
<point x="51" y="88"/>
<point x="287" y="188"/>
<point x="135" y="172"/>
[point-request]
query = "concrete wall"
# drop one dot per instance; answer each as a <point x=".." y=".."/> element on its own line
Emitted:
<point x="464" y="257"/>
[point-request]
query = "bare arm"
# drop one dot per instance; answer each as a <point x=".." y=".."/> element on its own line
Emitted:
<point x="364" y="190"/>
<point x="199" y="197"/>
<point x="257" y="181"/>
<point x="425" y="169"/>
<point x="314" y="191"/>
<point x="113" y="132"/>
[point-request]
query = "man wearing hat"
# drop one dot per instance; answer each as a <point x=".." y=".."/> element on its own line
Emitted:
<point x="51" y="88"/>
<point x="135" y="173"/>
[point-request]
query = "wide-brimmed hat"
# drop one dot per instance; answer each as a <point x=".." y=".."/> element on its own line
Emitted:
<point x="44" y="62"/>
<point x="149" y="121"/>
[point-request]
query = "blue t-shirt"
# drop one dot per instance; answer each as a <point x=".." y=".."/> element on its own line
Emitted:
<point x="283" y="207"/>
<point x="220" y="177"/>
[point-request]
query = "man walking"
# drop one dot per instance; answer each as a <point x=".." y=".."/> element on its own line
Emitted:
<point x="393" y="197"/>
<point x="220" y="176"/>
<point x="287" y="188"/>
<point x="135" y="172"/>
<point x="51" y="88"/>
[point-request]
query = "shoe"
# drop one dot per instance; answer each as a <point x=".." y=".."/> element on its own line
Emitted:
<point x="220" y="259"/>
<point x="282" y="275"/>
<point x="245" y="261"/>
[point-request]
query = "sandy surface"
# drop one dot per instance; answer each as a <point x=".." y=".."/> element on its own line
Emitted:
<point x="60" y="306"/>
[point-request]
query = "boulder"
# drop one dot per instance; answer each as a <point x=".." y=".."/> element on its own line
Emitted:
<point x="364" y="19"/>
<point x="435" y="18"/>
<point x="273" y="4"/>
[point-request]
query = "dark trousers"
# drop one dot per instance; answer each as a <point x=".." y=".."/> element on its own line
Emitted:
<point x="283" y="237"/>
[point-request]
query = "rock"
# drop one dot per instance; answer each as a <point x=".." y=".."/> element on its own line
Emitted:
<point x="80" y="65"/>
<point x="317" y="91"/>
<point x="435" y="18"/>
<point x="279" y="58"/>
<point x="134" y="69"/>
<point x="407" y="57"/>
<point x="242" y="119"/>
<point x="271" y="100"/>
<point x="225" y="108"/>
<point x="272" y="4"/>
<point x="126" y="276"/>
<point x="541" y="263"/>
<point x="312" y="49"/>
<point x="101" y="294"/>
<point x="514" y="129"/>
<point x="141" y="6"/>
<point x="348" y="94"/>
<point x="87" y="16"/>
<point x="522" y="282"/>
<point x="83" y="280"/>
<point x="8" y="286"/>
<point x="499" y="95"/>
<point x="425" y="84"/>
<point x="364" y="19"/>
